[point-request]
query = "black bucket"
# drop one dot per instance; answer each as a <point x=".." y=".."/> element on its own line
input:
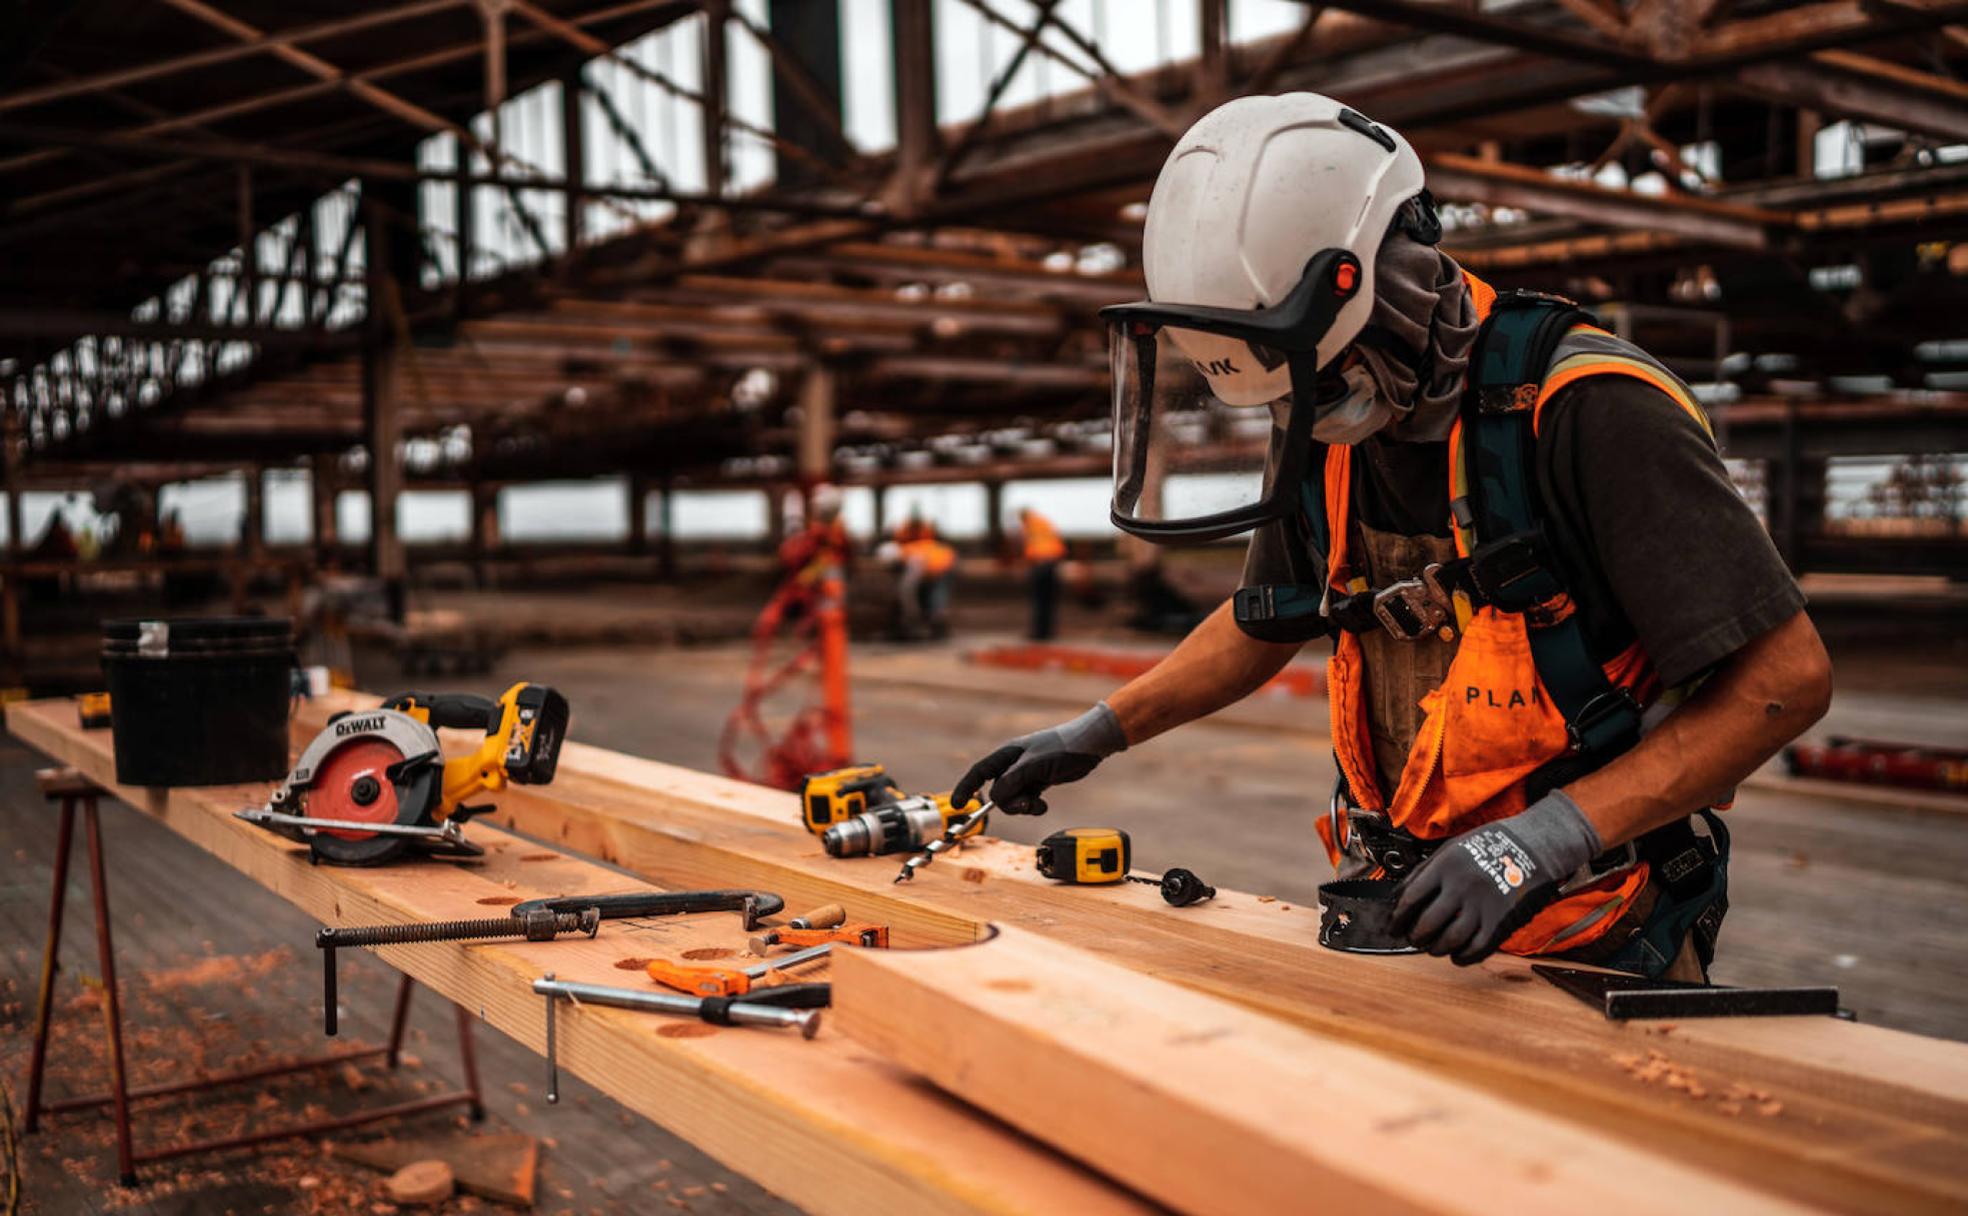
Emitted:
<point x="199" y="701"/>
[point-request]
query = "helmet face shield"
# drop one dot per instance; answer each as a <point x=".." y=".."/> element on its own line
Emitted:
<point x="1201" y="390"/>
<point x="1169" y="418"/>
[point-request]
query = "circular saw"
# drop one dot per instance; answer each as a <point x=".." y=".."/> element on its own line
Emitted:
<point x="375" y="785"/>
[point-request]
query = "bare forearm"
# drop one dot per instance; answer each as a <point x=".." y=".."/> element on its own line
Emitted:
<point x="1216" y="665"/>
<point x="1763" y="697"/>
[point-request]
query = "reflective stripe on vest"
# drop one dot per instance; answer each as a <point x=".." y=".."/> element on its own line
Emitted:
<point x="1490" y="724"/>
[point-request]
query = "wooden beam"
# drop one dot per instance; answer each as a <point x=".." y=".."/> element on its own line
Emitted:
<point x="821" y="1124"/>
<point x="1862" y="87"/>
<point x="382" y="388"/>
<point x="317" y="87"/>
<point x="914" y="74"/>
<point x="211" y="57"/>
<point x="819" y="395"/>
<point x="323" y="492"/>
<point x="340" y="168"/>
<point x="1604" y="16"/>
<point x="574" y="150"/>
<point x="66" y="324"/>
<point x="1455" y="176"/>
<point x="716" y="105"/>
<point x="1872" y="1119"/>
<point x="1215" y="1110"/>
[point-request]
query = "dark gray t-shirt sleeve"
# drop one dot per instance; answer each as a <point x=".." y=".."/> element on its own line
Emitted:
<point x="1643" y="511"/>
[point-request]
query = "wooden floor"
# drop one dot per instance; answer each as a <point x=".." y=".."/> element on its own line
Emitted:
<point x="217" y="971"/>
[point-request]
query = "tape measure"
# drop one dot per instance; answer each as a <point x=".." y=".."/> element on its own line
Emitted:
<point x="1088" y="857"/>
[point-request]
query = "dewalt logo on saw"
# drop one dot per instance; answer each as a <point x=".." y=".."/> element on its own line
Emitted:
<point x="352" y="726"/>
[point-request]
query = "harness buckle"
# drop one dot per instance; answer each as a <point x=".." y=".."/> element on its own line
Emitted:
<point x="1605" y="722"/>
<point x="1409" y="609"/>
<point x="1371" y="838"/>
<point x="1505" y="572"/>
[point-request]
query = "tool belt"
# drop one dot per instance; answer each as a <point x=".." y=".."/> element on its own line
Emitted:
<point x="1689" y="873"/>
<point x="1371" y="838"/>
<point x="1356" y="915"/>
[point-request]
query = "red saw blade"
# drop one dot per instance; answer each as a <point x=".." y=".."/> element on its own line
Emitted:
<point x="332" y="795"/>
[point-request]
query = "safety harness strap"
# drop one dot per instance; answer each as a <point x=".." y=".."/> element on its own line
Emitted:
<point x="1510" y="567"/>
<point x="1292" y="612"/>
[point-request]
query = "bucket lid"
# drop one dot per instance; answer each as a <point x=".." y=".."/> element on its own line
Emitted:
<point x="202" y="632"/>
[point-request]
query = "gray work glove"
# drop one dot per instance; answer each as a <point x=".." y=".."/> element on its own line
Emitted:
<point x="1480" y="887"/>
<point x="1022" y="769"/>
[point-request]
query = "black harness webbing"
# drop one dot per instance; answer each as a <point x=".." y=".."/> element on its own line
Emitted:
<point x="1513" y="352"/>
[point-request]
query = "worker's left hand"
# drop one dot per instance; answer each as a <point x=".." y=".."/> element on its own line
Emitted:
<point x="1480" y="887"/>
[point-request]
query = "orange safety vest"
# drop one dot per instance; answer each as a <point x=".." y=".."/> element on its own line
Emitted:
<point x="1490" y="724"/>
<point x="932" y="555"/>
<point x="1042" y="543"/>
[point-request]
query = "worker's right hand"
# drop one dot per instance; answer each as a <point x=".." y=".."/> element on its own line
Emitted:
<point x="1021" y="770"/>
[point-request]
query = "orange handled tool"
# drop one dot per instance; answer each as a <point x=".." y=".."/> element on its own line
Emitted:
<point x="860" y="934"/>
<point x="725" y="981"/>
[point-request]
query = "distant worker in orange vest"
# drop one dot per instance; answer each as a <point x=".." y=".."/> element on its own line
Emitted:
<point x="1043" y="551"/>
<point x="927" y="570"/>
<point x="1560" y="636"/>
<point x="821" y="547"/>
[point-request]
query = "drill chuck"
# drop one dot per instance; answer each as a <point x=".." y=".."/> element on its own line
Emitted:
<point x="899" y="827"/>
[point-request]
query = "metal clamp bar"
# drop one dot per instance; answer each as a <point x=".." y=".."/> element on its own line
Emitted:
<point x="303" y="826"/>
<point x="736" y="1013"/>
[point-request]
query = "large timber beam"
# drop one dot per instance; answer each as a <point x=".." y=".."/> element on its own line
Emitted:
<point x="1243" y="1116"/>
<point x="1871" y="1119"/>
<point x="820" y="1123"/>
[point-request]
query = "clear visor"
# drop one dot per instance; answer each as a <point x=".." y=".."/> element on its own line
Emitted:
<point x="1193" y="415"/>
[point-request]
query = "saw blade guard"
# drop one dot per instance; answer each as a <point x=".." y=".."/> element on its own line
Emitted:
<point x="355" y="770"/>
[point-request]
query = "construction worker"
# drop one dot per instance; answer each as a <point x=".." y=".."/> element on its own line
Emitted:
<point x="1559" y="634"/>
<point x="1043" y="551"/>
<point x="927" y="567"/>
<point x="821" y="547"/>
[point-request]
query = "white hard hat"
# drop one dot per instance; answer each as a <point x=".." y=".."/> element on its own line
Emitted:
<point x="1251" y="192"/>
<point x="825" y="500"/>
